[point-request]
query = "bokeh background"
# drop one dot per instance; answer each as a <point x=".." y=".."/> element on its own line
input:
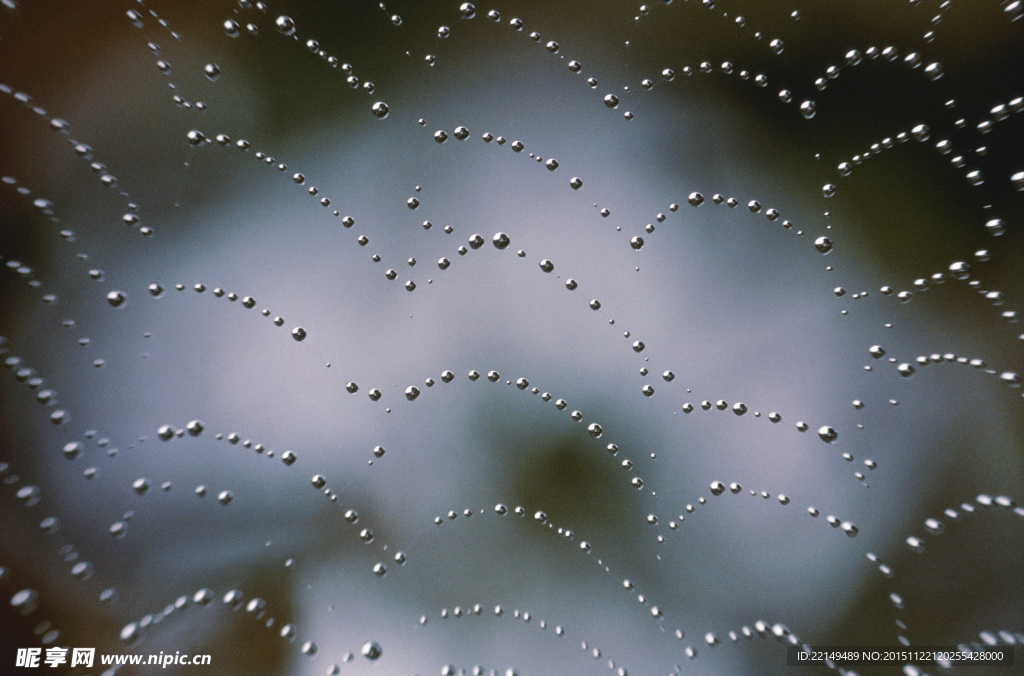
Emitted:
<point x="738" y="307"/>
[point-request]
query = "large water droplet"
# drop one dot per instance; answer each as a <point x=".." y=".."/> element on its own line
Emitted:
<point x="117" y="298"/>
<point x="372" y="650"/>
<point x="285" y="25"/>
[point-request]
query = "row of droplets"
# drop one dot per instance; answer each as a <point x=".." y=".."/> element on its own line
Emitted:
<point x="477" y="611"/>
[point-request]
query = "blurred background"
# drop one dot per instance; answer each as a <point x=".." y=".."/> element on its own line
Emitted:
<point x="301" y="172"/>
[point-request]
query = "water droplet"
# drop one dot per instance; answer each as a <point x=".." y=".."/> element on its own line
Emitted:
<point x="117" y="298"/>
<point x="1017" y="180"/>
<point x="285" y="25"/>
<point x="73" y="449"/>
<point x="83" y="570"/>
<point x="995" y="226"/>
<point x="372" y="651"/>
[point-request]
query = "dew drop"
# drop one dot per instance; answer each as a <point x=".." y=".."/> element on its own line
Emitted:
<point x="1017" y="180"/>
<point x="372" y="651"/>
<point x="117" y="298"/>
<point x="285" y="25"/>
<point x="995" y="226"/>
